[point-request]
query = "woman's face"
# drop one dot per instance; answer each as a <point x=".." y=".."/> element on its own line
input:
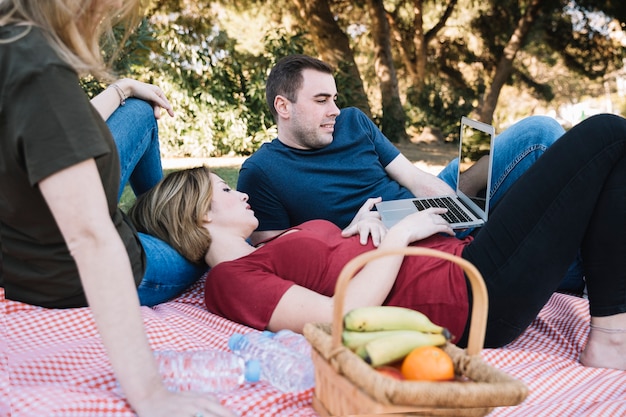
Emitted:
<point x="230" y="208"/>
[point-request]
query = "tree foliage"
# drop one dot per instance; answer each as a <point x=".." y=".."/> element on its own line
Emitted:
<point x="434" y="60"/>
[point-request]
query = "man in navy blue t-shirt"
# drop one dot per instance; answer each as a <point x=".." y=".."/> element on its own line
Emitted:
<point x="326" y="162"/>
<point x="329" y="163"/>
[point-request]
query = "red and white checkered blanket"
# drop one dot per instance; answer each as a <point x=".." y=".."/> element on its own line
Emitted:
<point x="53" y="364"/>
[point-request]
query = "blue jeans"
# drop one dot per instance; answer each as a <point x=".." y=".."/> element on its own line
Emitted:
<point x="576" y="202"/>
<point x="515" y="150"/>
<point x="135" y="131"/>
<point x="136" y="135"/>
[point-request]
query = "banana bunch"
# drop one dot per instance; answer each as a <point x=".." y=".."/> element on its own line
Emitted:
<point x="385" y="334"/>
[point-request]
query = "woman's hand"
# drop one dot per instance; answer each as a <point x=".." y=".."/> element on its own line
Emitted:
<point x="147" y="92"/>
<point x="111" y="98"/>
<point x="423" y="224"/>
<point x="367" y="223"/>
<point x="371" y="285"/>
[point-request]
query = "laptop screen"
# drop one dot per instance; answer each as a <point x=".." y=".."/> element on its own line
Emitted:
<point x="475" y="144"/>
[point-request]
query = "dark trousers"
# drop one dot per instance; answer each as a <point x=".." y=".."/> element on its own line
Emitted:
<point x="574" y="196"/>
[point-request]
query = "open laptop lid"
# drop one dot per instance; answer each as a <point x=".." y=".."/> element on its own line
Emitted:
<point x="475" y="142"/>
<point x="466" y="210"/>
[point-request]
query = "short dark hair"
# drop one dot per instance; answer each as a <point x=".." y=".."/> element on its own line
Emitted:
<point x="285" y="79"/>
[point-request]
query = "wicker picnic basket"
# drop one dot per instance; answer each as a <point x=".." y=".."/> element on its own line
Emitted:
<point x="346" y="385"/>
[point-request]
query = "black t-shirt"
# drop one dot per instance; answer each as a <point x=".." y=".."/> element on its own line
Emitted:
<point x="46" y="125"/>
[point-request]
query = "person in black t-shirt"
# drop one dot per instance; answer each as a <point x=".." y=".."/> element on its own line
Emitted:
<point x="59" y="184"/>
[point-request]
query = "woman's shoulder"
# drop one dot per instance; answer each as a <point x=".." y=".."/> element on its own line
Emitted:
<point x="29" y="46"/>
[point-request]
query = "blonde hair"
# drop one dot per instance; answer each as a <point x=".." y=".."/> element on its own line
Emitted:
<point x="74" y="28"/>
<point x="174" y="209"/>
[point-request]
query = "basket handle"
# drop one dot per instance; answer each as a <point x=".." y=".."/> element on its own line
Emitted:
<point x="480" y="302"/>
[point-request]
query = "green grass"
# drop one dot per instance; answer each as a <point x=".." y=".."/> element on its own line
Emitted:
<point x="228" y="174"/>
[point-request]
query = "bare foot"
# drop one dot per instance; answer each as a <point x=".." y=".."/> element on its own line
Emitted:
<point x="605" y="350"/>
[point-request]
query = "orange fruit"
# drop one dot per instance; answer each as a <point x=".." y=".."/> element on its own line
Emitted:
<point x="428" y="363"/>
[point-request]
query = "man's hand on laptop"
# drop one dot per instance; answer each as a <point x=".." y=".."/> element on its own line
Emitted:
<point x="367" y="223"/>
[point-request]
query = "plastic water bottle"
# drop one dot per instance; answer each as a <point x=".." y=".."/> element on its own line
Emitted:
<point x="209" y="371"/>
<point x="291" y="340"/>
<point x="285" y="369"/>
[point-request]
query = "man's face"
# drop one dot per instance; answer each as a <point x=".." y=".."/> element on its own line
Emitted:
<point x="310" y="121"/>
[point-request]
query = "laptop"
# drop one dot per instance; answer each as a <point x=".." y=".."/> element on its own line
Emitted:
<point x="464" y="211"/>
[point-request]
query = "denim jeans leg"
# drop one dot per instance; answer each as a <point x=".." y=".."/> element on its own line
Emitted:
<point x="515" y="150"/>
<point x="135" y="131"/>
<point x="168" y="273"/>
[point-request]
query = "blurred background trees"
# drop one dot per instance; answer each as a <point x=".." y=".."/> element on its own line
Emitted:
<point x="409" y="64"/>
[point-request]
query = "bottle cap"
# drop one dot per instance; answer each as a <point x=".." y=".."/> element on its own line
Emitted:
<point x="234" y="340"/>
<point x="253" y="370"/>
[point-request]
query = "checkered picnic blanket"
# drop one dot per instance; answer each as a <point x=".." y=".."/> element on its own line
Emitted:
<point x="545" y="357"/>
<point x="53" y="364"/>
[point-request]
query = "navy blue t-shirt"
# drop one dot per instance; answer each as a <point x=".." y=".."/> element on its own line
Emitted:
<point x="289" y="186"/>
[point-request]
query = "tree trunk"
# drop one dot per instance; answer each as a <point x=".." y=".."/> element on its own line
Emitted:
<point x="393" y="119"/>
<point x="420" y="45"/>
<point x="412" y="41"/>
<point x="333" y="47"/>
<point x="402" y="46"/>
<point x="505" y="65"/>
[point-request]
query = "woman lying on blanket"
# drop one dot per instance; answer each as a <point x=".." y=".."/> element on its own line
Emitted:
<point x="573" y="197"/>
<point x="64" y="241"/>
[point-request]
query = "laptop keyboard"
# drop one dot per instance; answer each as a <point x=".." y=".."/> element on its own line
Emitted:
<point x="454" y="214"/>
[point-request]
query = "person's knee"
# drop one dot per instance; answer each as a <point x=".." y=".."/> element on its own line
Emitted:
<point x="609" y="122"/>
<point x="542" y="130"/>
<point x="140" y="110"/>
<point x="549" y="125"/>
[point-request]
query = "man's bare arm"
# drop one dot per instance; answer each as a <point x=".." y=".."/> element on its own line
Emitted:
<point x="421" y="183"/>
<point x="473" y="180"/>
